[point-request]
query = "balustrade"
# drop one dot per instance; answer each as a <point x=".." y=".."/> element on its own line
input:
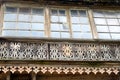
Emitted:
<point x="66" y="51"/>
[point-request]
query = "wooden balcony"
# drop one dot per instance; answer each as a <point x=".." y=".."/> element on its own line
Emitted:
<point x="60" y="51"/>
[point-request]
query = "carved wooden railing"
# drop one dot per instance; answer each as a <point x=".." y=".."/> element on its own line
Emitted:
<point x="67" y="51"/>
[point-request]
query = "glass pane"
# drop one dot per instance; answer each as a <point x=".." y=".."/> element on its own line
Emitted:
<point x="118" y="14"/>
<point x="75" y="20"/>
<point x="114" y="28"/>
<point x="24" y="10"/>
<point x="104" y="35"/>
<point x="86" y="35"/>
<point x="54" y="12"/>
<point x="110" y="14"/>
<point x="10" y="17"/>
<point x="9" y="33"/>
<point x="115" y="36"/>
<point x="64" y="27"/>
<point x="76" y="27"/>
<point x="112" y="22"/>
<point x="82" y="13"/>
<point x="102" y="29"/>
<point x="76" y="35"/>
<point x="11" y="10"/>
<point x="74" y="13"/>
<point x="36" y="18"/>
<point x="37" y="11"/>
<point x="85" y="28"/>
<point x="37" y="26"/>
<point x="55" y="27"/>
<point x="55" y="34"/>
<point x="83" y="20"/>
<point x="26" y="26"/>
<point x="98" y="14"/>
<point x="61" y="12"/>
<point x="54" y="19"/>
<point x="62" y="19"/>
<point x="65" y="34"/>
<point x="37" y="33"/>
<point x="100" y="21"/>
<point x="24" y="33"/>
<point x="24" y="17"/>
<point x="9" y="25"/>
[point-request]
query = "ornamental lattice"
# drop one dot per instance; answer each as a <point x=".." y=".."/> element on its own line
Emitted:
<point x="60" y="51"/>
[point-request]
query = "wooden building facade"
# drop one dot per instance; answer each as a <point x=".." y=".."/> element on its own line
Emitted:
<point x="59" y="40"/>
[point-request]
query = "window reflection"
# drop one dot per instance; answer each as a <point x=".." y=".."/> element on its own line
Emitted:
<point x="24" y="17"/>
<point x="24" y="26"/>
<point x="104" y="35"/>
<point x="10" y="17"/>
<point x="55" y="34"/>
<point x="23" y="22"/>
<point x="9" y="25"/>
<point x="80" y="24"/>
<point x="65" y="35"/>
<point x="107" y="25"/>
<point x="11" y="10"/>
<point x="37" y="26"/>
<point x="37" y="11"/>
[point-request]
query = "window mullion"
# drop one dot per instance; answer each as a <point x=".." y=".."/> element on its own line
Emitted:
<point x="92" y="23"/>
<point x="69" y="22"/>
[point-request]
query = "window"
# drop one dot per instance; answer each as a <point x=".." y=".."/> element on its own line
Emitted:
<point x="107" y="24"/>
<point x="59" y="26"/>
<point x="80" y="24"/>
<point x="23" y="22"/>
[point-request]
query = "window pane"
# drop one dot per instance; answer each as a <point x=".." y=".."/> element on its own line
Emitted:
<point x="76" y="35"/>
<point x="112" y="22"/>
<point x="64" y="27"/>
<point x="55" y="34"/>
<point x="82" y="13"/>
<point x="100" y="21"/>
<point x="9" y="33"/>
<point x="76" y="27"/>
<point x="11" y="10"/>
<point x="115" y="36"/>
<point x="75" y="20"/>
<point x="24" y="17"/>
<point x="37" y="18"/>
<point x="61" y="12"/>
<point x="63" y="19"/>
<point x="74" y="13"/>
<point x="85" y="28"/>
<point x="98" y="14"/>
<point x="54" y="19"/>
<point x="37" y="26"/>
<point x="118" y="14"/>
<point x="86" y="35"/>
<point x="24" y="26"/>
<point x="102" y="28"/>
<point x="37" y="11"/>
<point x="24" y="10"/>
<point x="65" y="34"/>
<point x="24" y="33"/>
<point x="10" y="17"/>
<point x="54" y="12"/>
<point x="55" y="27"/>
<point x="110" y="14"/>
<point x="104" y="35"/>
<point x="9" y="25"/>
<point x="37" y="34"/>
<point x="114" y="28"/>
<point x="83" y="20"/>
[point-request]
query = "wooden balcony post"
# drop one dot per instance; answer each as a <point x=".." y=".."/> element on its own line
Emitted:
<point x="33" y="76"/>
<point x="8" y="76"/>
